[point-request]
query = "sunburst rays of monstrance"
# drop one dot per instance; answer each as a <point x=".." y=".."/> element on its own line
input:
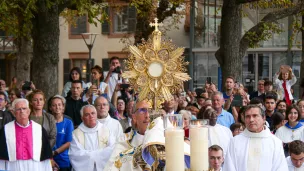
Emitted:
<point x="156" y="68"/>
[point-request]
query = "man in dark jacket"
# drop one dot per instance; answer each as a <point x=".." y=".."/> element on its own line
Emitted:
<point x="74" y="103"/>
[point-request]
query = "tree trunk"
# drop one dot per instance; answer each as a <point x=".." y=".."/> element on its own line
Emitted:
<point x="302" y="64"/>
<point x="45" y="35"/>
<point x="24" y="58"/>
<point x="230" y="53"/>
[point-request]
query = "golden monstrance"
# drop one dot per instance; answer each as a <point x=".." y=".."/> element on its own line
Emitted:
<point x="156" y="68"/>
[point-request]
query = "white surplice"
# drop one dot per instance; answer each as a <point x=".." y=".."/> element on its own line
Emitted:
<point x="114" y="126"/>
<point x="255" y="152"/>
<point x="24" y="165"/>
<point x="291" y="166"/>
<point x="288" y="135"/>
<point x="121" y="151"/>
<point x="220" y="135"/>
<point x="90" y="148"/>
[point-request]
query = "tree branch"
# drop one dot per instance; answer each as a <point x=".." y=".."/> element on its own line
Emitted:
<point x="245" y="1"/>
<point x="271" y="17"/>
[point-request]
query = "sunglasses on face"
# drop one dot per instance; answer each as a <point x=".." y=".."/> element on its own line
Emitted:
<point x="142" y="110"/>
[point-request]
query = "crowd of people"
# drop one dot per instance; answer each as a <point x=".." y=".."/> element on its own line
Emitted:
<point x="91" y="124"/>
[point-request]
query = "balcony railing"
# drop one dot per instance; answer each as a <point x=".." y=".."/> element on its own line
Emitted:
<point x="7" y="44"/>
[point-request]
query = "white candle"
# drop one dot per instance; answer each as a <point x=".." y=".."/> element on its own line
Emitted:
<point x="174" y="149"/>
<point x="199" y="149"/>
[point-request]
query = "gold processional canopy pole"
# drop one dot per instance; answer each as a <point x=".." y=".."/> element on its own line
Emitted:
<point x="156" y="68"/>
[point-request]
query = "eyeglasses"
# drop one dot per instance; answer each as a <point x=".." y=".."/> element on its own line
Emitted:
<point x="102" y="104"/>
<point x="142" y="110"/>
<point x="1" y="99"/>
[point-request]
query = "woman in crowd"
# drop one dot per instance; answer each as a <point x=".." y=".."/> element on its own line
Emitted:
<point x="47" y="121"/>
<point x="75" y="74"/>
<point x="14" y="83"/>
<point x="293" y="129"/>
<point x="278" y="120"/>
<point x="97" y="86"/>
<point x="120" y="106"/>
<point x="301" y="107"/>
<point x="186" y="117"/>
<point x="12" y="95"/>
<point x="64" y="133"/>
<point x="281" y="104"/>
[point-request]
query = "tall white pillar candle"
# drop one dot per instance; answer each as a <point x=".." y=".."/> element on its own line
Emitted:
<point x="174" y="149"/>
<point x="199" y="160"/>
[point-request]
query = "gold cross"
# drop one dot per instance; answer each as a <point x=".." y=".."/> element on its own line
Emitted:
<point x="156" y="24"/>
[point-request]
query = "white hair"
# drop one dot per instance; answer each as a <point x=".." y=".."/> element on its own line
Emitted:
<point x="87" y="106"/>
<point x="16" y="101"/>
<point x="59" y="97"/>
<point x="217" y="93"/>
<point x="186" y="113"/>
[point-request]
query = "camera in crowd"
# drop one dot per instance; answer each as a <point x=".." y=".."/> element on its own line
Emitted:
<point x="26" y="85"/>
<point x="117" y="70"/>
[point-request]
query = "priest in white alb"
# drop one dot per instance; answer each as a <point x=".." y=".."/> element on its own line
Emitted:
<point x="122" y="156"/>
<point x="256" y="149"/>
<point x="102" y="106"/>
<point x="92" y="143"/>
<point x="295" y="161"/>
<point x="218" y="134"/>
<point x="24" y="144"/>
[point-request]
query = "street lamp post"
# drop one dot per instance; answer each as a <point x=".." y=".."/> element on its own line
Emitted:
<point x="90" y="43"/>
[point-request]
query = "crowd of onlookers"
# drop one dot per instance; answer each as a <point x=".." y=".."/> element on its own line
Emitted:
<point x="60" y="114"/>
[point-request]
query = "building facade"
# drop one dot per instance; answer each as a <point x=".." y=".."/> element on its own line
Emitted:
<point x="259" y="63"/>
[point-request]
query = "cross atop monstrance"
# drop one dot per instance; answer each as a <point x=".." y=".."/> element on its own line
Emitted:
<point x="156" y="24"/>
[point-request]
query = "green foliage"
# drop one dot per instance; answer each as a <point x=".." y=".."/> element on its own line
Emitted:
<point x="267" y="29"/>
<point x="16" y="16"/>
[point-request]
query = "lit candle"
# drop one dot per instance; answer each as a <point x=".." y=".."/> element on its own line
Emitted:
<point x="174" y="142"/>
<point x="199" y="148"/>
<point x="174" y="149"/>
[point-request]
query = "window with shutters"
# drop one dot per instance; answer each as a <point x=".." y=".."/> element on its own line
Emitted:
<point x="80" y="25"/>
<point x="123" y="21"/>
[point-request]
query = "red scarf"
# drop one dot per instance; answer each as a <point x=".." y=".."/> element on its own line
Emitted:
<point x="287" y="99"/>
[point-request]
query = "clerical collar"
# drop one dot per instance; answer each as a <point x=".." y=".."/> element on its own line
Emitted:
<point x="103" y="120"/>
<point x="89" y="130"/>
<point x="27" y="125"/>
<point x="293" y="128"/>
<point x="263" y="134"/>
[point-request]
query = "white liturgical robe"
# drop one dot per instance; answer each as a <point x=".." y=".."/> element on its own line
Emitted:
<point x="291" y="166"/>
<point x="220" y="135"/>
<point x="250" y="151"/>
<point x="123" y="153"/>
<point x="91" y="148"/>
<point x="114" y="126"/>
<point x="288" y="135"/>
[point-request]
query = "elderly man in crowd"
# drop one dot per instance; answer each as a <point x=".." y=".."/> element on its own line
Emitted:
<point x="24" y="145"/>
<point x="92" y="143"/>
<point x="296" y="158"/>
<point x="102" y="107"/>
<point x="256" y="148"/>
<point x="216" y="158"/>
<point x="223" y="117"/>
<point x="134" y="139"/>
